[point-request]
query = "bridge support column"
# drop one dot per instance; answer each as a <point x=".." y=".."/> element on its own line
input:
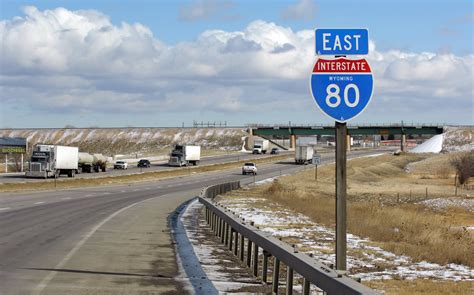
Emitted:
<point x="292" y="141"/>
<point x="403" y="142"/>
<point x="249" y="141"/>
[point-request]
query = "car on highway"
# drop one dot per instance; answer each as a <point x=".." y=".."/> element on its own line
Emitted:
<point x="249" y="168"/>
<point x="120" y="164"/>
<point x="275" y="151"/>
<point x="143" y="163"/>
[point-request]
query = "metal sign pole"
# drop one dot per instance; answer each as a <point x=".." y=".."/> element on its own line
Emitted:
<point x="316" y="172"/>
<point x="341" y="192"/>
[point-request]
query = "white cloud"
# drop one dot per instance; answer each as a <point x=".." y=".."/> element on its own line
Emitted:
<point x="206" y="9"/>
<point x="301" y="10"/>
<point x="78" y="61"/>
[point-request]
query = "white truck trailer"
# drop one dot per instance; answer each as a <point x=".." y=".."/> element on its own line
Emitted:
<point x="304" y="154"/>
<point x="260" y="146"/>
<point x="53" y="160"/>
<point x="184" y="155"/>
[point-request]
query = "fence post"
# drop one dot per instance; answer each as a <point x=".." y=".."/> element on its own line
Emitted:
<point x="289" y="280"/>
<point x="276" y="275"/>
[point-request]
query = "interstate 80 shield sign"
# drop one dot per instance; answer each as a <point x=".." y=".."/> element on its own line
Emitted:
<point x="342" y="88"/>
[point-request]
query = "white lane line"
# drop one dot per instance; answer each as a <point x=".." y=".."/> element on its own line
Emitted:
<point x="89" y="195"/>
<point x="122" y="191"/>
<point x="66" y="198"/>
<point x="106" y="193"/>
<point x="37" y="203"/>
<point x="71" y="253"/>
<point x="4" y="208"/>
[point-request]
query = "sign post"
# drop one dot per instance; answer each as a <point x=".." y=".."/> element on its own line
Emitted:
<point x="342" y="88"/>
<point x="316" y="161"/>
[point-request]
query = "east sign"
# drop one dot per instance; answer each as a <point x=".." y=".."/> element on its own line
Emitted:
<point x="341" y="87"/>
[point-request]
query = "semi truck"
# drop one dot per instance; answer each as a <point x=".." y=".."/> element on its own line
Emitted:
<point x="184" y="155"/>
<point x="260" y="146"/>
<point x="53" y="161"/>
<point x="90" y="163"/>
<point x="304" y="154"/>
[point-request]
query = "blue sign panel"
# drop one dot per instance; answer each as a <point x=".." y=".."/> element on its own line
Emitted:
<point x="342" y="41"/>
<point x="342" y="88"/>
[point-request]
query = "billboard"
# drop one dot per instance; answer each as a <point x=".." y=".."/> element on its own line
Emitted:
<point x="13" y="145"/>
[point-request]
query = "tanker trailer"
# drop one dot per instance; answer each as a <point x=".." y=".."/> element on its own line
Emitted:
<point x="85" y="163"/>
<point x="100" y="162"/>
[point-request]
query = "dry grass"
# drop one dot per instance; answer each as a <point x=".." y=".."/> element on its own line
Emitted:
<point x="422" y="287"/>
<point x="402" y="227"/>
<point x="131" y="178"/>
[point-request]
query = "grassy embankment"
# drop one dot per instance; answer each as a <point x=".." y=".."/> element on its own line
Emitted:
<point x="383" y="205"/>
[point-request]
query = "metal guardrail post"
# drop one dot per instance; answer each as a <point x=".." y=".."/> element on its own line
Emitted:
<point x="255" y="259"/>
<point x="289" y="280"/>
<point x="231" y="237"/>
<point x="265" y="266"/>
<point x="236" y="243"/>
<point x="242" y="247"/>
<point x="222" y="231"/>
<point x="226" y="234"/>
<point x="249" y="252"/>
<point x="306" y="286"/>
<point x="276" y="275"/>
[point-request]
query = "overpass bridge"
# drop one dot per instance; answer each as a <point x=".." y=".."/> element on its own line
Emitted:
<point x="292" y="132"/>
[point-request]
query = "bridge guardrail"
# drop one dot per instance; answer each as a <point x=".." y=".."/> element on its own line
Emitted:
<point x="233" y="231"/>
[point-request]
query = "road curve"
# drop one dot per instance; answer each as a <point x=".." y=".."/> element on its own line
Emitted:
<point x="103" y="240"/>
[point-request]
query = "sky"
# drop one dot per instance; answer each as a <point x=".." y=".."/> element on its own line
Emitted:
<point x="168" y="63"/>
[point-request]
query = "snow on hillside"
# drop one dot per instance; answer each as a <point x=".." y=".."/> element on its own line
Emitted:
<point x="131" y="140"/>
<point x="458" y="139"/>
<point x="453" y="139"/>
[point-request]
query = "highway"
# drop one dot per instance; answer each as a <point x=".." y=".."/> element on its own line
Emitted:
<point x="132" y="168"/>
<point x="103" y="240"/>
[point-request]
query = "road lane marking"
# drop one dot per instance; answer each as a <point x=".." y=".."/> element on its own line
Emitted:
<point x="89" y="195"/>
<point x="38" y="203"/>
<point x="66" y="198"/>
<point x="4" y="208"/>
<point x="44" y="283"/>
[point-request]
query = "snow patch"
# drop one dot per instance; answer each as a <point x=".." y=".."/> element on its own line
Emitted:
<point x="365" y="260"/>
<point x="432" y="145"/>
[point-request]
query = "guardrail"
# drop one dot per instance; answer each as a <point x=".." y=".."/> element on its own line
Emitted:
<point x="244" y="240"/>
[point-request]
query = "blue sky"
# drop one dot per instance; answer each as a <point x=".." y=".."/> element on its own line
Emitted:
<point x="426" y="39"/>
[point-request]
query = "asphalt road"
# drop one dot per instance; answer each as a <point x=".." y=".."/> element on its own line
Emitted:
<point x="155" y="166"/>
<point x="103" y="240"/>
